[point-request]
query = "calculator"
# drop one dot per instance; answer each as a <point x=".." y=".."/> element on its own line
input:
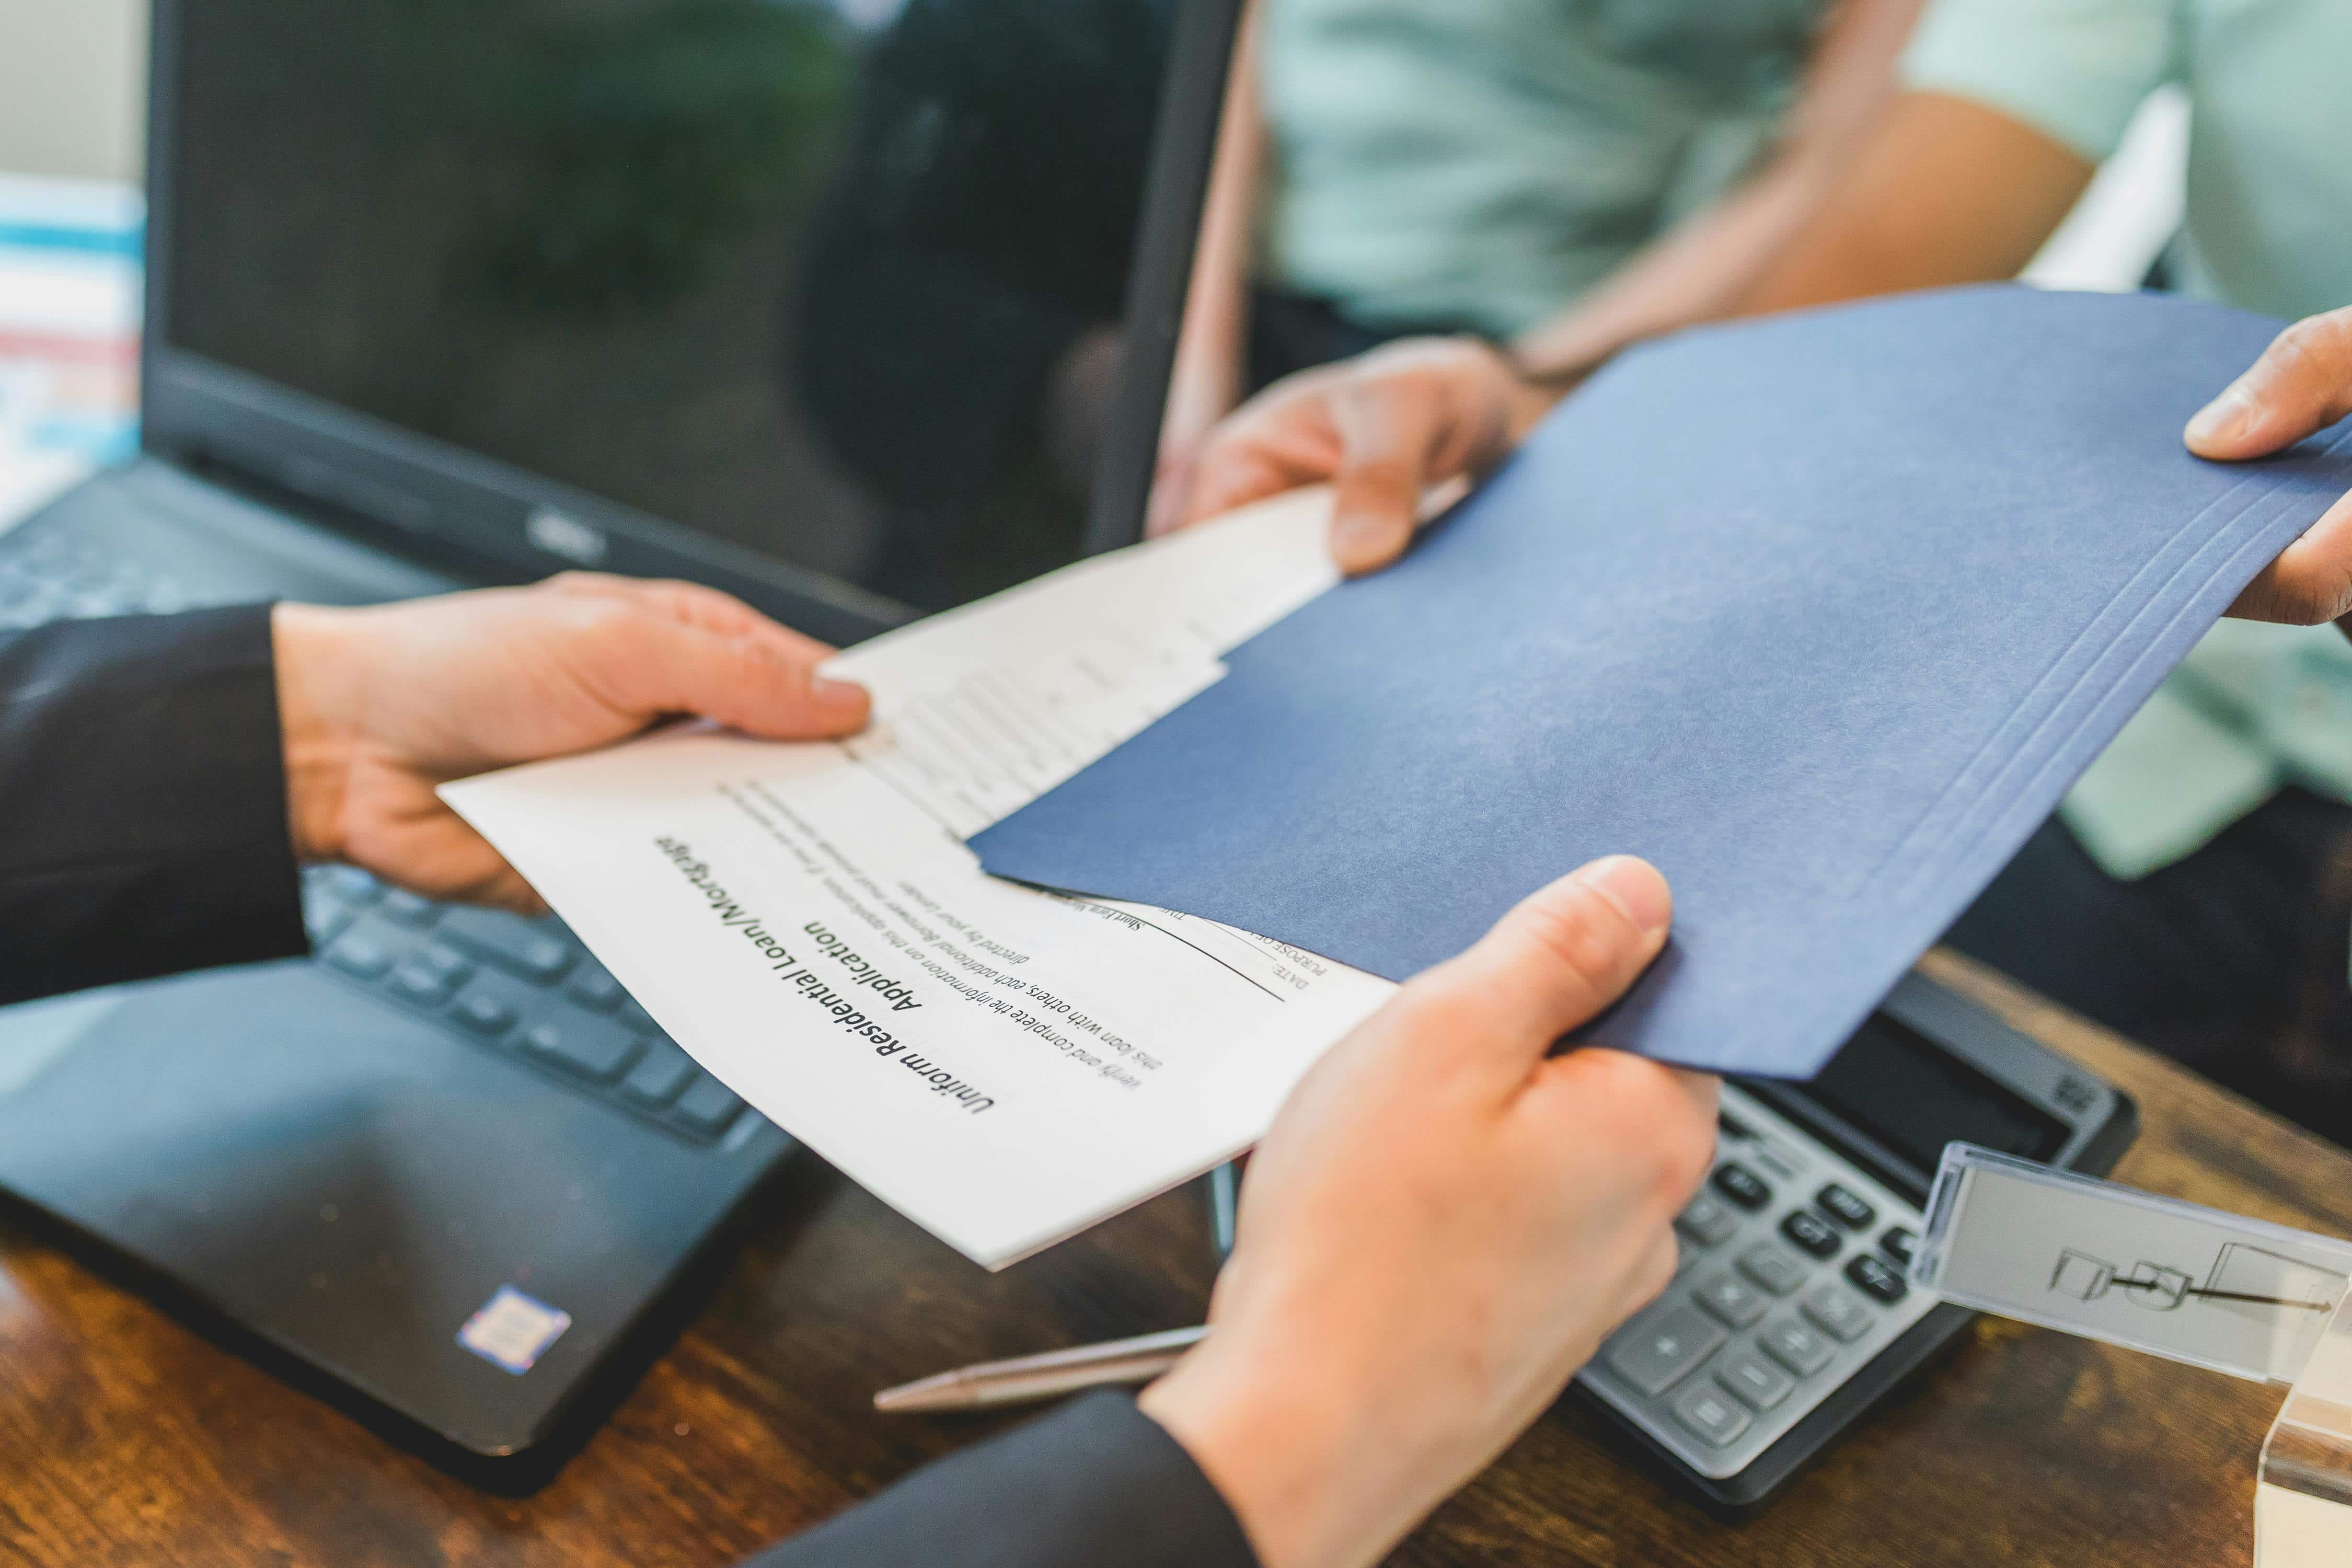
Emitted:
<point x="1790" y="1312"/>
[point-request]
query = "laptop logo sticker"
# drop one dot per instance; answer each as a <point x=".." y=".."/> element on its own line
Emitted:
<point x="513" y="1330"/>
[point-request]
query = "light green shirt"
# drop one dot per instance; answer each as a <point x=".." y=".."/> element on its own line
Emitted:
<point x="1480" y="164"/>
<point x="2269" y="228"/>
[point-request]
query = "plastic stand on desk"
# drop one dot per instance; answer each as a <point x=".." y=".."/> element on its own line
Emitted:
<point x="2178" y="1280"/>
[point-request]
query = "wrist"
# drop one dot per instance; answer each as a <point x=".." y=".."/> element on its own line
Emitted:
<point x="1290" y="1451"/>
<point x="316" y="702"/>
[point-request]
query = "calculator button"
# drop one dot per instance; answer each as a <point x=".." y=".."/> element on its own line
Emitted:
<point x="1710" y="1413"/>
<point x="1707" y="1222"/>
<point x="1845" y="1205"/>
<point x="1759" y="1385"/>
<point x="1772" y="1268"/>
<point x="1658" y="1349"/>
<point x="1831" y="1308"/>
<point x="1729" y="1300"/>
<point x="1877" y="1278"/>
<point x="1899" y="1244"/>
<point x="1742" y="1185"/>
<point x="1813" y="1233"/>
<point x="1796" y="1347"/>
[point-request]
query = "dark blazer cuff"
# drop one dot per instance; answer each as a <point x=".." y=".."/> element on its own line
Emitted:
<point x="1096" y="1482"/>
<point x="143" y="784"/>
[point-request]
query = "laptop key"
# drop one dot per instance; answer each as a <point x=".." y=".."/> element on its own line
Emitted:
<point x="579" y="1043"/>
<point x="592" y="986"/>
<point x="709" y="1107"/>
<point x="513" y="944"/>
<point x="362" y="958"/>
<point x="655" y="1080"/>
<point x="485" y="1014"/>
<point x="418" y="983"/>
<point x="409" y="908"/>
<point x="323" y="918"/>
<point x="348" y="883"/>
<point x="1658" y="1349"/>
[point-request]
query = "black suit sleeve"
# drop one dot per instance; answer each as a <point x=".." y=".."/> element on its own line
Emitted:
<point x="1097" y="1482"/>
<point x="143" y="801"/>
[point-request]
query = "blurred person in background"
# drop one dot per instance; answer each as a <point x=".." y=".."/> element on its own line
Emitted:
<point x="1560" y="178"/>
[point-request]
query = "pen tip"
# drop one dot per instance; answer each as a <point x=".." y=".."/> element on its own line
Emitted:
<point x="923" y="1393"/>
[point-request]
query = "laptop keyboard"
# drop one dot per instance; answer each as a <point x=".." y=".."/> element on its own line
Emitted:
<point x="48" y="578"/>
<point x="526" y="989"/>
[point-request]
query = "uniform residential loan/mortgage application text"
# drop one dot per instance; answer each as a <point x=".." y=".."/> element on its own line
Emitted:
<point x="1003" y="1065"/>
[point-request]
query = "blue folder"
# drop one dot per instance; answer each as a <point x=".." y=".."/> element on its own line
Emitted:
<point x="1821" y="614"/>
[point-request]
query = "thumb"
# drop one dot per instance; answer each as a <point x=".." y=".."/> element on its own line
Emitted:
<point x="744" y="681"/>
<point x="1565" y="954"/>
<point x="2302" y="384"/>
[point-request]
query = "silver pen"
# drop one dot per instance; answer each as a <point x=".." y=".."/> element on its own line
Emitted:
<point x="1031" y="1377"/>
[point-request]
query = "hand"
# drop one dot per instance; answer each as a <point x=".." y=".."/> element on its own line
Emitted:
<point x="2302" y="384"/>
<point x="380" y="705"/>
<point x="1443" y="1224"/>
<point x="1384" y="427"/>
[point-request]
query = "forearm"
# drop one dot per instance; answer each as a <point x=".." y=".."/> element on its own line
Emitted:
<point x="1704" y="266"/>
<point x="1949" y="192"/>
<point x="143" y="784"/>
<point x="1207" y="379"/>
<point x="1096" y="1482"/>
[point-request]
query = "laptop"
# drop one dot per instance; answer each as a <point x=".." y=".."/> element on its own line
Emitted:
<point x="858" y="309"/>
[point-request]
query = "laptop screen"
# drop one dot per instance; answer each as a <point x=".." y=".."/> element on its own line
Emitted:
<point x="841" y="281"/>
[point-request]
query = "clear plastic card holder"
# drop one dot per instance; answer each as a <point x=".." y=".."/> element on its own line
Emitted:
<point x="2151" y="1274"/>
<point x="2303" y="1492"/>
<point x="2178" y="1280"/>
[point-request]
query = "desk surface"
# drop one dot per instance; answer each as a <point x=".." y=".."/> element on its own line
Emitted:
<point x="125" y="1440"/>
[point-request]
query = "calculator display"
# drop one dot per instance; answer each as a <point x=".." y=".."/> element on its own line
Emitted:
<point x="1914" y="1098"/>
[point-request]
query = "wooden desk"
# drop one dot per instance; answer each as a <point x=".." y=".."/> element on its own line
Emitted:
<point x="124" y="1439"/>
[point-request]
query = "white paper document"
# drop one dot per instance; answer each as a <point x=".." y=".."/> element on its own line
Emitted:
<point x="1004" y="1065"/>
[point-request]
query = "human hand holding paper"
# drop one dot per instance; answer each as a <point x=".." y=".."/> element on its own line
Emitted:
<point x="1384" y="428"/>
<point x="2301" y="385"/>
<point x="1443" y="1224"/>
<point x="380" y="705"/>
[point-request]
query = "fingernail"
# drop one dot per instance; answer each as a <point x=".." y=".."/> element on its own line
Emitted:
<point x="838" y="693"/>
<point x="2224" y="419"/>
<point x="1634" y="886"/>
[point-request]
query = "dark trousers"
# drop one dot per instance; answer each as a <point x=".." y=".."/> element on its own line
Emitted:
<point x="2233" y="961"/>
